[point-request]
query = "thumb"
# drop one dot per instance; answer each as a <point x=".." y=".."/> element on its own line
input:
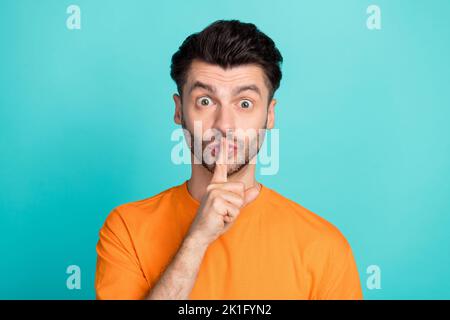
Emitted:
<point x="250" y="194"/>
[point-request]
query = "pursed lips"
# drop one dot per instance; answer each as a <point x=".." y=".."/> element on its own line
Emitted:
<point x="232" y="149"/>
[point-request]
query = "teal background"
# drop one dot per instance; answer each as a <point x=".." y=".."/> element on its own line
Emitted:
<point x="86" y="117"/>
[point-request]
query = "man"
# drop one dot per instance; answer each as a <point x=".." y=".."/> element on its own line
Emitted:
<point x="221" y="234"/>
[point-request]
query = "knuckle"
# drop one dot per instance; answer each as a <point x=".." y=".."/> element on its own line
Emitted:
<point x="232" y="209"/>
<point x="212" y="186"/>
<point x="213" y="193"/>
<point x="240" y="186"/>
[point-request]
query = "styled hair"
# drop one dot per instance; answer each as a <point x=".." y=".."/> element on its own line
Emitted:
<point x="229" y="43"/>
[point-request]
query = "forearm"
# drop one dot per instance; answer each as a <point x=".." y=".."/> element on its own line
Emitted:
<point x="179" y="277"/>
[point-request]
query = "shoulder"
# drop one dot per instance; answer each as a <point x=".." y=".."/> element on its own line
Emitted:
<point x="134" y="213"/>
<point x="311" y="228"/>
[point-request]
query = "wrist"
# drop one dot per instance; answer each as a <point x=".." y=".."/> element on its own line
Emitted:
<point x="196" y="241"/>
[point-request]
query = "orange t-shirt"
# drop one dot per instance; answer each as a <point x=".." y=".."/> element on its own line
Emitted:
<point x="276" y="249"/>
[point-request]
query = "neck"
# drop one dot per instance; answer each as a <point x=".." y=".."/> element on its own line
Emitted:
<point x="201" y="178"/>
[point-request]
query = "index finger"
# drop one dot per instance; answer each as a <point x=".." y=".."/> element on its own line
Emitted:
<point x="220" y="171"/>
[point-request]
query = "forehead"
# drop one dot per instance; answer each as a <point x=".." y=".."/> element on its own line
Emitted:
<point x="226" y="78"/>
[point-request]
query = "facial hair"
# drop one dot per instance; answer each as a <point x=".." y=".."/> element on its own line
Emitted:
<point x="233" y="167"/>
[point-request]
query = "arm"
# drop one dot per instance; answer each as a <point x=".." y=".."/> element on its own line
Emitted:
<point x="341" y="278"/>
<point x="119" y="274"/>
<point x="179" y="277"/>
<point x="218" y="210"/>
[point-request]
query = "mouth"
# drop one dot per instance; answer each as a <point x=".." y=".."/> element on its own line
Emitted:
<point x="232" y="149"/>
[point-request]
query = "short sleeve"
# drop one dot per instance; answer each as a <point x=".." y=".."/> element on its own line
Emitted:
<point x="118" y="271"/>
<point x="340" y="280"/>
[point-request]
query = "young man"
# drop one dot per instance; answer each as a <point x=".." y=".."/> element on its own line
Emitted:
<point x="221" y="234"/>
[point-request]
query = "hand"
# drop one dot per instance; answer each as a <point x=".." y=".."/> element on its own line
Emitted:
<point x="222" y="202"/>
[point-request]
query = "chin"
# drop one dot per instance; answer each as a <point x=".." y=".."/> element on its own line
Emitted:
<point x="231" y="169"/>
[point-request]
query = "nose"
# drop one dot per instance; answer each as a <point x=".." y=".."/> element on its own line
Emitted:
<point x="224" y="119"/>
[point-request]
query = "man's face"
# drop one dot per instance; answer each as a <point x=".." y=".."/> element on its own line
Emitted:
<point x="230" y="103"/>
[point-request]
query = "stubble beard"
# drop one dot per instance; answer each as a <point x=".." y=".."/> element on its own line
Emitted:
<point x="233" y="166"/>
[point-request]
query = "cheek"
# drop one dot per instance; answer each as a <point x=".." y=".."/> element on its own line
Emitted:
<point x="255" y="121"/>
<point x="193" y="118"/>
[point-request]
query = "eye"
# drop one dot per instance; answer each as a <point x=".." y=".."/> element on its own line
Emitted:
<point x="204" y="101"/>
<point x="245" y="104"/>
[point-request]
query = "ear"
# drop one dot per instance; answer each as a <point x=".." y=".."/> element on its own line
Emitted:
<point x="178" y="112"/>
<point x="271" y="114"/>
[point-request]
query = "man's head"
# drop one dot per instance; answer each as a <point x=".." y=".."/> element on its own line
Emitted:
<point x="226" y="77"/>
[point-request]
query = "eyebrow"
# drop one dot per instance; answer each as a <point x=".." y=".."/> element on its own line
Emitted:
<point x="198" y="84"/>
<point x="251" y="87"/>
<point x="207" y="87"/>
